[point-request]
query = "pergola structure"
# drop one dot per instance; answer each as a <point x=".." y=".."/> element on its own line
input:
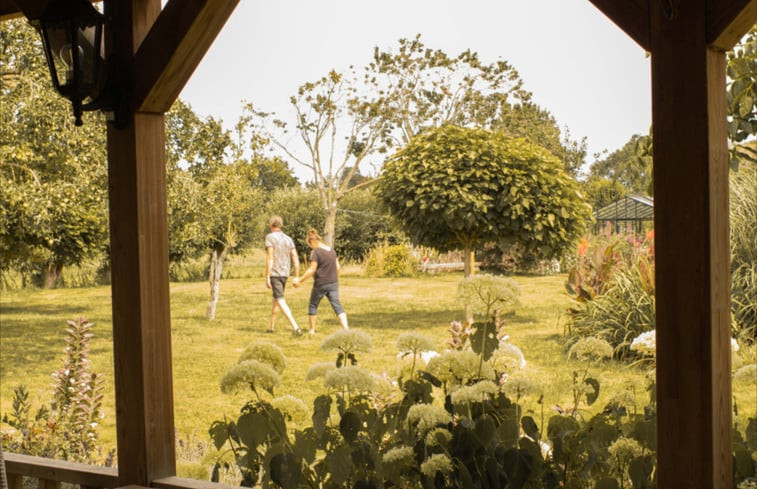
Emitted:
<point x="687" y="40"/>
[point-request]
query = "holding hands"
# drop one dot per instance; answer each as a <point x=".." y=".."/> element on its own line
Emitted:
<point x="296" y="281"/>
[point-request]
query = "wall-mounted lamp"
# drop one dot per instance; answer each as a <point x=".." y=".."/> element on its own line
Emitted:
<point x="72" y="36"/>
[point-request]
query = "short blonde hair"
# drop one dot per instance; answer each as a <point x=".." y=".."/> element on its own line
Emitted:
<point x="275" y="222"/>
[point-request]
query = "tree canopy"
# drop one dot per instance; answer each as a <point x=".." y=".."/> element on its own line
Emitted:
<point x="454" y="187"/>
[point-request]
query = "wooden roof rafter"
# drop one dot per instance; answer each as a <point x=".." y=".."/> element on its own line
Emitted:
<point x="172" y="49"/>
<point x="728" y="21"/>
<point x="632" y="16"/>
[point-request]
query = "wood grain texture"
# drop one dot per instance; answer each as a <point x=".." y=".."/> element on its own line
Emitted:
<point x="32" y="9"/>
<point x="729" y="20"/>
<point x="174" y="47"/>
<point x="141" y="316"/>
<point x="632" y="16"/>
<point x="9" y="10"/>
<point x="183" y="483"/>
<point x="60" y="470"/>
<point x="691" y="251"/>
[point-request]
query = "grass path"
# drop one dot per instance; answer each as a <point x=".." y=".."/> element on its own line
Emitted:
<point x="32" y="324"/>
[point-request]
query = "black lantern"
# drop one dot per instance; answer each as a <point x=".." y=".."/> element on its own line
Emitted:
<point x="72" y="33"/>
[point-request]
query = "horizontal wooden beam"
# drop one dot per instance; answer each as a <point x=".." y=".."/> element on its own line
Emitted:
<point x="60" y="470"/>
<point x="31" y="9"/>
<point x="183" y="483"/>
<point x="175" y="45"/>
<point x="632" y="16"/>
<point x="728" y="21"/>
<point x="9" y="9"/>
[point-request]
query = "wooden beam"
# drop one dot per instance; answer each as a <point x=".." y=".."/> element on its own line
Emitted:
<point x="691" y="252"/>
<point x="632" y="16"/>
<point x="9" y="10"/>
<point x="139" y="271"/>
<point x="174" y="47"/>
<point x="729" y="20"/>
<point x="60" y="470"/>
<point x="32" y="9"/>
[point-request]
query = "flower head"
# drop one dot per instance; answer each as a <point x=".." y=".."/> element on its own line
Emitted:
<point x="414" y="343"/>
<point x="251" y="373"/>
<point x="519" y="384"/>
<point x="356" y="379"/>
<point x="398" y="455"/>
<point x="427" y="416"/>
<point x="478" y="392"/>
<point x="438" y="436"/>
<point x="318" y="370"/>
<point x="291" y="406"/>
<point x="438" y="462"/>
<point x="507" y="358"/>
<point x="590" y="348"/>
<point x="747" y="373"/>
<point x="267" y="353"/>
<point x="459" y="367"/>
<point x="347" y="341"/>
<point x="625" y="449"/>
<point x="645" y="344"/>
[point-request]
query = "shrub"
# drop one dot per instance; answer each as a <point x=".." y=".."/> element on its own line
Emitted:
<point x="66" y="428"/>
<point x="385" y="260"/>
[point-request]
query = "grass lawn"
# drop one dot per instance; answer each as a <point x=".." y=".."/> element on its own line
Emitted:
<point x="32" y="324"/>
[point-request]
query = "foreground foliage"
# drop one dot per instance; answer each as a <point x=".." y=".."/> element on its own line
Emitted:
<point x="66" y="428"/>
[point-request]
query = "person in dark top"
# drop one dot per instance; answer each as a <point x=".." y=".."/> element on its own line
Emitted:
<point x="324" y="268"/>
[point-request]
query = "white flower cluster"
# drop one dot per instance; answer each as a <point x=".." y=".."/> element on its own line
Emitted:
<point x="646" y="344"/>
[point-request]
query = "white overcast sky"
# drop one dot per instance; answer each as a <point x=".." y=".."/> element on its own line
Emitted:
<point x="581" y="67"/>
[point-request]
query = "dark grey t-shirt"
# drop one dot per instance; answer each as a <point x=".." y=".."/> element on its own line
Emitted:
<point x="326" y="272"/>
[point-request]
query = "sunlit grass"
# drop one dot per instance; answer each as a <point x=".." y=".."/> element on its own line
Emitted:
<point x="32" y="324"/>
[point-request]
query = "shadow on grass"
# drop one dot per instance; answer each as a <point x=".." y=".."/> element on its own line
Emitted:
<point x="69" y="311"/>
<point x="407" y="319"/>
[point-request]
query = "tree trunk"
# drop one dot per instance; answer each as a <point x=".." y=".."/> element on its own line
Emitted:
<point x="328" y="228"/>
<point x="214" y="277"/>
<point x="469" y="265"/>
<point x="52" y="276"/>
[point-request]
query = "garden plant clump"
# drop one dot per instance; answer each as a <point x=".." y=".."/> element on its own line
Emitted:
<point x="67" y="427"/>
<point x="452" y="418"/>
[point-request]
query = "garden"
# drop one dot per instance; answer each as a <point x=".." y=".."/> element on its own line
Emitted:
<point x="536" y="371"/>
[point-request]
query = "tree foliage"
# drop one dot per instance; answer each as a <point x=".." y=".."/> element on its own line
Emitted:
<point x="53" y="174"/>
<point x="453" y="187"/>
<point x="428" y="88"/>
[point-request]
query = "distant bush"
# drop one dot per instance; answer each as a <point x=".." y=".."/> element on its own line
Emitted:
<point x="613" y="284"/>
<point x="385" y="260"/>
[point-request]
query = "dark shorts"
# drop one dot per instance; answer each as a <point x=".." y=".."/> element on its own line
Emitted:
<point x="278" y="284"/>
<point x="331" y="291"/>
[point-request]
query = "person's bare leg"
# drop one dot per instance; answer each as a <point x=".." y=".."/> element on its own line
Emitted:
<point x="343" y="319"/>
<point x="287" y="313"/>
<point x="274" y="310"/>
<point x="311" y="320"/>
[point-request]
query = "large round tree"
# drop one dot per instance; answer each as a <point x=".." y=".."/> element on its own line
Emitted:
<point x="454" y="187"/>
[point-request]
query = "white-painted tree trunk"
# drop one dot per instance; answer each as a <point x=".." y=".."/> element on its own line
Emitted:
<point x="214" y="277"/>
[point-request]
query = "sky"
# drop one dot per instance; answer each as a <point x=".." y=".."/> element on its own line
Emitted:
<point x="577" y="64"/>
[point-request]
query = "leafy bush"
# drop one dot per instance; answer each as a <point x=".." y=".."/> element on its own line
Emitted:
<point x="614" y="291"/>
<point x="66" y="428"/>
<point x="454" y="424"/>
<point x="387" y="260"/>
<point x="743" y="214"/>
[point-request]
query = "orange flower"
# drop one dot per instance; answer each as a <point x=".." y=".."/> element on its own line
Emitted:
<point x="583" y="248"/>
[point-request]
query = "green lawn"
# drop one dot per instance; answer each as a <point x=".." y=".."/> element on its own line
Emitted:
<point x="32" y="323"/>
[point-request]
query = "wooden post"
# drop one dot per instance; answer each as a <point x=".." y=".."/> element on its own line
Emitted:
<point x="139" y="261"/>
<point x="691" y="250"/>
